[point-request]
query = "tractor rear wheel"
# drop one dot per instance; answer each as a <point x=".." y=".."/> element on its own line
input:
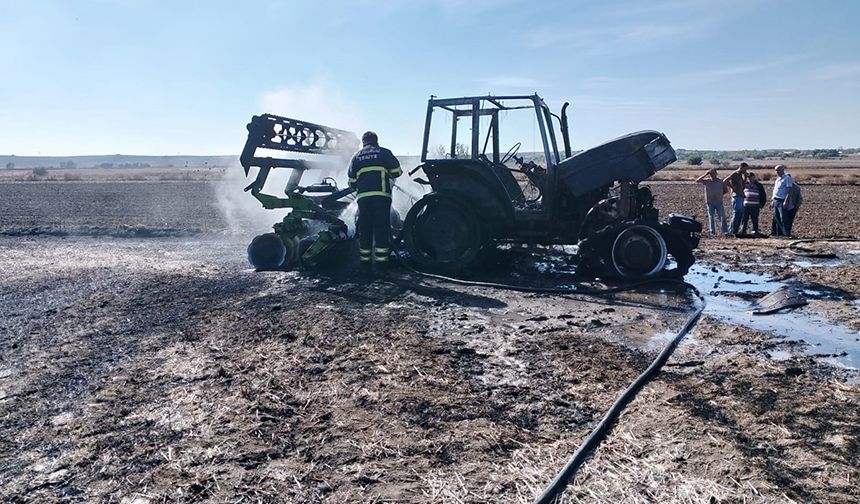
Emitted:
<point x="442" y="233"/>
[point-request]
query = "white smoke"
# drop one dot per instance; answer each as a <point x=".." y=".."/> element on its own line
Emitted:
<point x="320" y="103"/>
<point x="243" y="214"/>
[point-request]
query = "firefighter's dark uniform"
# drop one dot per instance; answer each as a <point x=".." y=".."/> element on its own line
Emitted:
<point x="370" y="172"/>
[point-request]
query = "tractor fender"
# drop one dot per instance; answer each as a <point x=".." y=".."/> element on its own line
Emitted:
<point x="680" y="248"/>
<point x="490" y="190"/>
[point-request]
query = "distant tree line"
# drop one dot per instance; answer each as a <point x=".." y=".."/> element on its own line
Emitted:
<point x="124" y="165"/>
<point x="461" y="152"/>
<point x="825" y="153"/>
<point x="696" y="157"/>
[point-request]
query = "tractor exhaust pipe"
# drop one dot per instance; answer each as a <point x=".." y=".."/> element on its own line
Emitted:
<point x="565" y="131"/>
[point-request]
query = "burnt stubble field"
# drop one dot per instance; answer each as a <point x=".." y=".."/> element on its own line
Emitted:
<point x="142" y="361"/>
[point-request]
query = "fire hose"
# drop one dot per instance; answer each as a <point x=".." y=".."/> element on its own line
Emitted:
<point x="555" y="489"/>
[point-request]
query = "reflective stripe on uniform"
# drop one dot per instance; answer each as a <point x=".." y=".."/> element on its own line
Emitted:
<point x="364" y="251"/>
<point x="373" y="193"/>
<point x="368" y="169"/>
<point x="395" y="172"/>
<point x="383" y="173"/>
<point x="381" y="254"/>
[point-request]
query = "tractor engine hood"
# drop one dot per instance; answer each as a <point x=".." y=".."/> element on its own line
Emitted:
<point x="634" y="157"/>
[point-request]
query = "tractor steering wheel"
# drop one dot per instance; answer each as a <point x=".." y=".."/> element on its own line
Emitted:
<point x="511" y="153"/>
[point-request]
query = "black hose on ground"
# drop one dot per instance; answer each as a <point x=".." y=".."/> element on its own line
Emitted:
<point x="567" y="473"/>
<point x="588" y="291"/>
<point x="599" y="433"/>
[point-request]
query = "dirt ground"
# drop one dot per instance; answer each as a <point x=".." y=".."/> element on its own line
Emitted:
<point x="141" y="361"/>
<point x="827" y="210"/>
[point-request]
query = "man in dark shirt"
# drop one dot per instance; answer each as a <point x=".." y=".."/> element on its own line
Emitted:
<point x="736" y="182"/>
<point x="371" y="173"/>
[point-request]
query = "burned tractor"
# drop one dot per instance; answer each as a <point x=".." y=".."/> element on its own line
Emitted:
<point x="480" y="197"/>
<point x="591" y="199"/>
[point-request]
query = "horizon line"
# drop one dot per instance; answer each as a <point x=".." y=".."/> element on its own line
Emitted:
<point x="784" y="149"/>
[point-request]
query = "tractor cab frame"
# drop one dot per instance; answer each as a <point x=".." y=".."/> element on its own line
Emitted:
<point x="473" y="110"/>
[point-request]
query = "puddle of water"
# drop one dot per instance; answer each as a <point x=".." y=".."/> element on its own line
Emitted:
<point x="780" y="355"/>
<point x="507" y="318"/>
<point x="833" y="343"/>
<point x="709" y="279"/>
<point x="818" y="263"/>
<point x="659" y="340"/>
<point x="553" y="267"/>
<point x="808" y="263"/>
<point x="554" y="263"/>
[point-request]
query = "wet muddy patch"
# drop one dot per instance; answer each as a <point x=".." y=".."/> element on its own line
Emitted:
<point x="731" y="296"/>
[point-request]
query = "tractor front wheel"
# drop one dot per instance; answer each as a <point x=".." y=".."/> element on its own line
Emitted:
<point x="638" y="251"/>
<point x="267" y="252"/>
<point x="631" y="251"/>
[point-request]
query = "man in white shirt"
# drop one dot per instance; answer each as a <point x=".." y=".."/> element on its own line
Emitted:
<point x="781" y="201"/>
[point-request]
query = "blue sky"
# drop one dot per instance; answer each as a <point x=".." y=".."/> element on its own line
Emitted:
<point x="182" y="77"/>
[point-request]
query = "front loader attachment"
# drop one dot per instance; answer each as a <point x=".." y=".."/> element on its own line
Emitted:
<point x="283" y="134"/>
<point x="312" y="233"/>
<point x="297" y="143"/>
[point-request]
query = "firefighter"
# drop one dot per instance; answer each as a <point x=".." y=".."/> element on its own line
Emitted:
<point x="371" y="173"/>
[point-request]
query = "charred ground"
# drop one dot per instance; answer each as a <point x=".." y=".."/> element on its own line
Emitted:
<point x="142" y="362"/>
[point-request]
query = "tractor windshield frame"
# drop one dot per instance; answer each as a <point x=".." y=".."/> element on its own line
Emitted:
<point x="476" y="107"/>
